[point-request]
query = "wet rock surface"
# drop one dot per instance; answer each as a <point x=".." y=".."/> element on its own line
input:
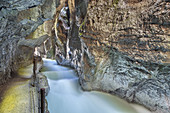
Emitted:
<point x="123" y="49"/>
<point x="122" y="76"/>
<point x="19" y="18"/>
<point x="18" y="92"/>
<point x="120" y="47"/>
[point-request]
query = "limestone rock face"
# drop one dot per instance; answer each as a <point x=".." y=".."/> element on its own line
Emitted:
<point x="19" y="18"/>
<point x="69" y="46"/>
<point x="127" y="42"/>
<point x="120" y="47"/>
<point x="138" y="28"/>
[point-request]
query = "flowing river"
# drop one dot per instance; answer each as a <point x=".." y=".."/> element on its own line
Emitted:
<point x="66" y="96"/>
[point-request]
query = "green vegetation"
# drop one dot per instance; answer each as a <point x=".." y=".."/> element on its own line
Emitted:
<point x="81" y="27"/>
<point x="115" y="2"/>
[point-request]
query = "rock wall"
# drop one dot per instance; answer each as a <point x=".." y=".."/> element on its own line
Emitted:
<point x="116" y="46"/>
<point x="120" y="47"/>
<point x="17" y="20"/>
<point x="69" y="46"/>
<point x="128" y="40"/>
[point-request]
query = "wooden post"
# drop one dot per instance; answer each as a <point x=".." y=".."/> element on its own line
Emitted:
<point x="34" y="69"/>
<point x="42" y="100"/>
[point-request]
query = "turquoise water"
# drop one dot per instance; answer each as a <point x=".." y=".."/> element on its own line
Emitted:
<point x="66" y="96"/>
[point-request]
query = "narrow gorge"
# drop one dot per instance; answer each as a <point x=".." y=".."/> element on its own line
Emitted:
<point x="118" y="47"/>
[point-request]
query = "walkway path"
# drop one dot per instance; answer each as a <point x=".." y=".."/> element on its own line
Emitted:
<point x="17" y="95"/>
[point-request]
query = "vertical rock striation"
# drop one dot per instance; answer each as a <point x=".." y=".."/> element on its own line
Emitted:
<point x="128" y="40"/>
<point x="120" y="47"/>
<point x="116" y="46"/>
<point x="69" y="46"/>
